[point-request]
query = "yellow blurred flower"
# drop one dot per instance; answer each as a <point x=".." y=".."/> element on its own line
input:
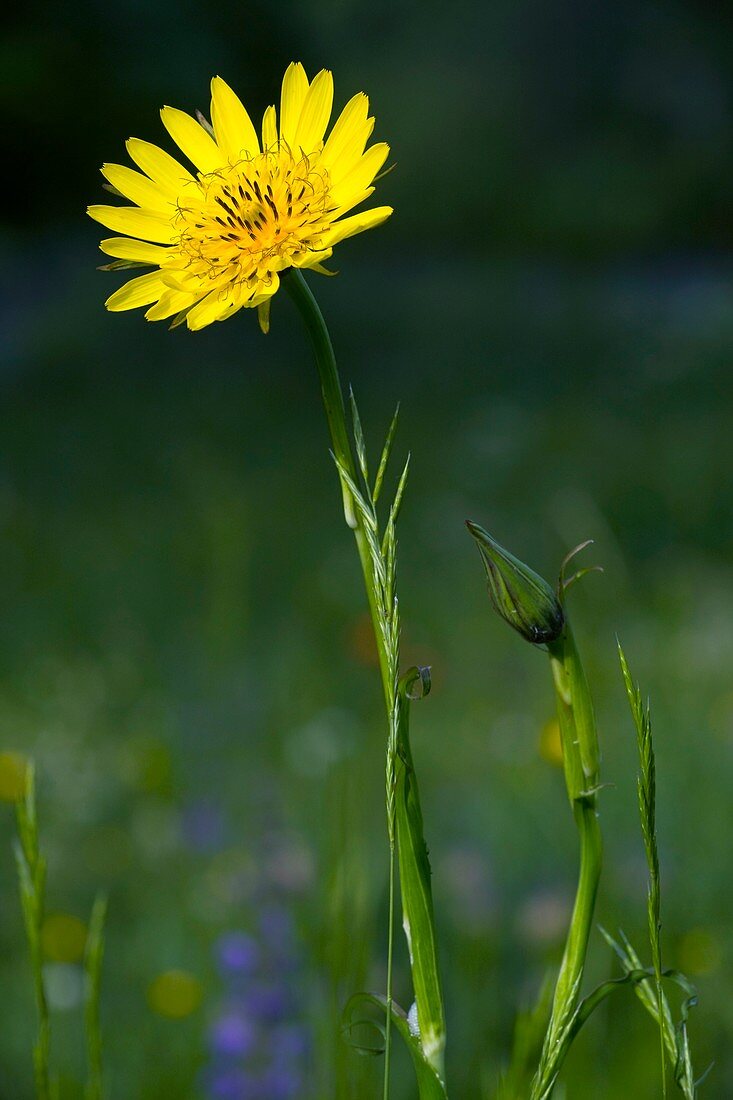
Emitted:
<point x="219" y="237"/>
<point x="13" y="771"/>
<point x="700" y="952"/>
<point x="63" y="938"/>
<point x="551" y="743"/>
<point x="175" y="994"/>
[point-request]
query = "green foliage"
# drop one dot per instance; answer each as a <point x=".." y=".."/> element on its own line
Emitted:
<point x="404" y="813"/>
<point x="31" y="866"/>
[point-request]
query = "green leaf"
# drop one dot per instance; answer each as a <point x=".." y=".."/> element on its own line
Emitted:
<point x="430" y="1086"/>
<point x="415" y="882"/>
<point x="386" y="451"/>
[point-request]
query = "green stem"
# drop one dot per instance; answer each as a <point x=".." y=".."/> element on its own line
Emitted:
<point x="570" y="977"/>
<point x="576" y="946"/>
<point x="333" y="403"/>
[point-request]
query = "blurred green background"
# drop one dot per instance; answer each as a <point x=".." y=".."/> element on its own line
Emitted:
<point x="183" y="647"/>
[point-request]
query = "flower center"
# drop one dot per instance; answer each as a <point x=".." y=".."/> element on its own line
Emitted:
<point x="250" y="219"/>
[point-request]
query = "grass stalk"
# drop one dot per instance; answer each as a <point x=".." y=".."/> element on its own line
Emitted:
<point x="31" y="867"/>
<point x="647" y="795"/>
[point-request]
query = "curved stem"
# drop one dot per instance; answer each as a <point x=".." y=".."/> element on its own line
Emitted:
<point x="570" y="977"/>
<point x="576" y="946"/>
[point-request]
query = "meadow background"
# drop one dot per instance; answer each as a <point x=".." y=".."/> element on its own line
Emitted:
<point x="183" y="646"/>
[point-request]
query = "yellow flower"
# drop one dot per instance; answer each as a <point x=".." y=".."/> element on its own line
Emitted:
<point x="219" y="237"/>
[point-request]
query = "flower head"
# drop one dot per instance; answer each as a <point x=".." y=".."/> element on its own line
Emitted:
<point x="219" y="237"/>
<point x="519" y="595"/>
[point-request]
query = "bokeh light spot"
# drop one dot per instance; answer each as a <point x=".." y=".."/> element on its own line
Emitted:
<point x="63" y="937"/>
<point x="700" y="952"/>
<point x="551" y="743"/>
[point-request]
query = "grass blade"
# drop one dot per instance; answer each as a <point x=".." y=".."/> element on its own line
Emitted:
<point x="93" y="956"/>
<point x="386" y="451"/>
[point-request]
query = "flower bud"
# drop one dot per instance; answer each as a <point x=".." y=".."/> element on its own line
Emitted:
<point x="521" y="597"/>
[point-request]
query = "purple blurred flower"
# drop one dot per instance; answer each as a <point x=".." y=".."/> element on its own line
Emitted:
<point x="234" y="1084"/>
<point x="276" y="926"/>
<point x="238" y="954"/>
<point x="281" y="1083"/>
<point x="203" y="827"/>
<point x="288" y="1042"/>
<point x="268" y="1002"/>
<point x="232" y="1035"/>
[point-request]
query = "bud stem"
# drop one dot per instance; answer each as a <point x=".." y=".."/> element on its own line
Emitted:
<point x="581" y="762"/>
<point x="581" y="754"/>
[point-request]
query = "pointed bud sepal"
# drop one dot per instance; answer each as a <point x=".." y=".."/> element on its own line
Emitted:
<point x="519" y="595"/>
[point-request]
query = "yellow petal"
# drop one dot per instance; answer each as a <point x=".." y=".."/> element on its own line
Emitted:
<point x="178" y="278"/>
<point x="315" y="261"/>
<point x="126" y="248"/>
<point x="263" y="316"/>
<point x="311" y="259"/>
<point x="269" y="129"/>
<point x="146" y="224"/>
<point x="350" y="154"/>
<point x="138" y="292"/>
<point x="262" y="292"/>
<point x="171" y="302"/>
<point x="137" y="188"/>
<point x="292" y="97"/>
<point x="211" y="308"/>
<point x="321" y="270"/>
<point x="357" y="223"/>
<point x="356" y="199"/>
<point x="192" y="139"/>
<point x="160" y="166"/>
<point x="348" y="125"/>
<point x="233" y="128"/>
<point x="315" y="113"/>
<point x="360" y="177"/>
